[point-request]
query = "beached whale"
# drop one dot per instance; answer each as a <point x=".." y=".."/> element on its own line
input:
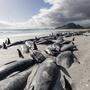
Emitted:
<point x="17" y="82"/>
<point x="46" y="76"/>
<point x="29" y="44"/>
<point x="62" y="41"/>
<point x="15" y="43"/>
<point x="37" y="56"/>
<point x="59" y="40"/>
<point x="15" y="66"/>
<point x="53" y="49"/>
<point x="20" y="42"/>
<point x="67" y="47"/>
<point x="25" y="48"/>
<point x="45" y="41"/>
<point x="68" y="41"/>
<point x="65" y="59"/>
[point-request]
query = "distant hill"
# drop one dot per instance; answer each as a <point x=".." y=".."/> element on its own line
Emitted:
<point x="70" y="26"/>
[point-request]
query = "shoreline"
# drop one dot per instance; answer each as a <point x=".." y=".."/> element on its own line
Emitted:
<point x="37" y="33"/>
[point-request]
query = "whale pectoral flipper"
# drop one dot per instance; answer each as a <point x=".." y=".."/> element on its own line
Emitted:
<point x="32" y="88"/>
<point x="76" y="59"/>
<point x="67" y="84"/>
<point x="10" y="62"/>
<point x="64" y="71"/>
<point x="13" y="74"/>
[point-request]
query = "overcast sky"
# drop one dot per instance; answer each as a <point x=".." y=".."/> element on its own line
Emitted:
<point x="43" y="13"/>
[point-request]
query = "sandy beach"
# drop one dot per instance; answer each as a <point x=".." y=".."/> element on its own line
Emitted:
<point x="80" y="73"/>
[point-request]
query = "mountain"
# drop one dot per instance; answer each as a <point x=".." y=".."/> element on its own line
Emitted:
<point x="70" y="26"/>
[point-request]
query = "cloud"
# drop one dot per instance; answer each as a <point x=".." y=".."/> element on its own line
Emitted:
<point x="60" y="12"/>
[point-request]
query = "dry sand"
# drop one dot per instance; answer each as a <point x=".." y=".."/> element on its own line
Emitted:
<point x="80" y="73"/>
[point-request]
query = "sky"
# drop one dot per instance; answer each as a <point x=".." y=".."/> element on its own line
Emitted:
<point x="20" y="10"/>
<point x="43" y="13"/>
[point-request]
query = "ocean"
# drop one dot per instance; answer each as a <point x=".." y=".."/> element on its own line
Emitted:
<point x="20" y="34"/>
<point x="13" y="33"/>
